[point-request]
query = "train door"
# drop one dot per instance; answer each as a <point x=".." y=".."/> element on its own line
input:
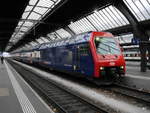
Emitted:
<point x="86" y="60"/>
<point x="76" y="66"/>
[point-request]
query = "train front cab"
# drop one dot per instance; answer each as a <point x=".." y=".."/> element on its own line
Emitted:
<point x="108" y="59"/>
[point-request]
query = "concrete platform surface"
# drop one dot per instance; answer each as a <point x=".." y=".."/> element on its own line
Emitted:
<point x="16" y="96"/>
<point x="90" y="93"/>
<point x="135" y="78"/>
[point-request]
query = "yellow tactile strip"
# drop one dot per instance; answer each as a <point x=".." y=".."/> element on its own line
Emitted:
<point x="4" y="92"/>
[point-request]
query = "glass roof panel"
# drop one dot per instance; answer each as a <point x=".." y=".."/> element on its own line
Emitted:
<point x="45" y="3"/>
<point x="28" y="23"/>
<point x="20" y="33"/>
<point x="52" y="36"/>
<point x="93" y="21"/>
<point x="58" y="36"/>
<point x="63" y="33"/>
<point x="23" y="29"/>
<point x="124" y="38"/>
<point x="140" y="8"/>
<point x="45" y="39"/>
<point x="33" y="43"/>
<point x="97" y="18"/>
<point x="87" y="25"/>
<point x="111" y="12"/>
<point x="80" y="28"/>
<point x="28" y="8"/>
<point x="20" y="23"/>
<point x="25" y="14"/>
<point x="108" y="18"/>
<point x="34" y="16"/>
<point x="33" y="2"/>
<point x="27" y="46"/>
<point x="40" y="10"/>
<point x="35" y="10"/>
<point x="16" y="39"/>
<point x="40" y="41"/>
<point x="112" y="17"/>
<point x="104" y="19"/>
<point x="17" y="29"/>
<point x="120" y="17"/>
<point x="74" y="27"/>
<point x="91" y="26"/>
<point x="13" y="34"/>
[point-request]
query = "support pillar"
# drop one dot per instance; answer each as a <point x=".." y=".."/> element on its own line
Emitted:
<point x="148" y="48"/>
<point x="138" y="31"/>
<point x="143" y="49"/>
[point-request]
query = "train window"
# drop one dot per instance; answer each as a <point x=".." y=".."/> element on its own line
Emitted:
<point x="84" y="49"/>
<point x="39" y="55"/>
<point x="106" y="45"/>
<point x="69" y="57"/>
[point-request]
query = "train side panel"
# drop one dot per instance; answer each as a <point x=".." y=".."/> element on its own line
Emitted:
<point x="85" y="59"/>
<point x="72" y="58"/>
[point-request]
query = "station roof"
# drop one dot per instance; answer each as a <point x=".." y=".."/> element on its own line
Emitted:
<point x="18" y="17"/>
<point x="10" y="13"/>
<point x="42" y="21"/>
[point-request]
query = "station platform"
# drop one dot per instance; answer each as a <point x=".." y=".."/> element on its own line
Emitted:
<point x="135" y="78"/>
<point x="16" y="96"/>
<point x="134" y="69"/>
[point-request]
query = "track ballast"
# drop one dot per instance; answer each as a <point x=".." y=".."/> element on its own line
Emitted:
<point x="60" y="100"/>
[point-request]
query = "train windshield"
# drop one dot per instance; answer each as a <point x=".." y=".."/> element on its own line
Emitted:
<point x="106" y="45"/>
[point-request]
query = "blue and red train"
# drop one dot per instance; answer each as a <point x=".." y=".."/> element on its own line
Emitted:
<point x="95" y="55"/>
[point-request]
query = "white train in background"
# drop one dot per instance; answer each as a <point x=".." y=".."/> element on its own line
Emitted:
<point x="133" y="55"/>
<point x="5" y="54"/>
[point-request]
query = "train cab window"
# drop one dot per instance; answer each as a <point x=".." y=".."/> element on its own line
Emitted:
<point x="106" y="45"/>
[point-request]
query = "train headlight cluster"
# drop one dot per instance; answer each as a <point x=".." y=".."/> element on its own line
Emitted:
<point x="121" y="67"/>
<point x="101" y="68"/>
<point x="97" y="39"/>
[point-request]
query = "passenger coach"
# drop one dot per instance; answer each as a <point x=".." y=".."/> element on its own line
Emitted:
<point x="93" y="55"/>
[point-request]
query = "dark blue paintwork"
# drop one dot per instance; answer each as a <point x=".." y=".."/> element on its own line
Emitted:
<point x="66" y="55"/>
<point x="72" y="55"/>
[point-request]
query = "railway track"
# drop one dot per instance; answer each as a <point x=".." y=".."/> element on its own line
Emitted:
<point x="60" y="100"/>
<point x="134" y="95"/>
<point x="139" y="95"/>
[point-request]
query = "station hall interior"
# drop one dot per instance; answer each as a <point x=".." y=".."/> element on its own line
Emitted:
<point x="77" y="46"/>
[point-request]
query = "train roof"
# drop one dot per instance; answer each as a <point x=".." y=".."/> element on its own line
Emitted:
<point x="81" y="38"/>
<point x="36" y="47"/>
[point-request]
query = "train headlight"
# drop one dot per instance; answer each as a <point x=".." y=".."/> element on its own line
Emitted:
<point x="101" y="68"/>
<point x="121" y="67"/>
<point x="97" y="39"/>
